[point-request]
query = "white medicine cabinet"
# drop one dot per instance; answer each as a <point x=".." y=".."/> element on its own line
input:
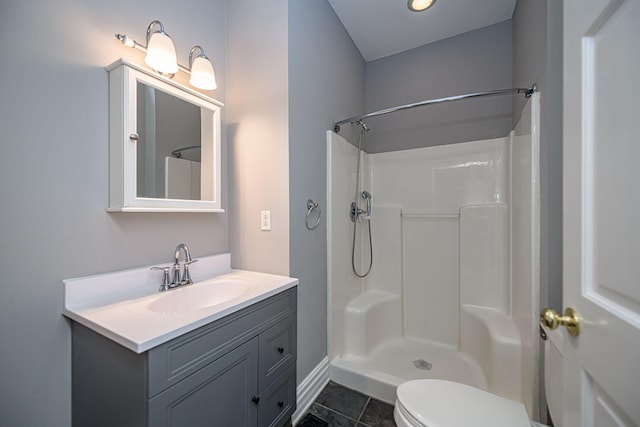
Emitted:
<point x="164" y="139"/>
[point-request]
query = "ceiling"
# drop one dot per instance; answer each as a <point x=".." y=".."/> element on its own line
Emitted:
<point x="381" y="28"/>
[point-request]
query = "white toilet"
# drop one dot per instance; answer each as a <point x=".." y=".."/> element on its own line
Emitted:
<point x="439" y="403"/>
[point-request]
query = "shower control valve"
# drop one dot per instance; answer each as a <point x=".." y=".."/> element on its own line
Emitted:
<point x="355" y="212"/>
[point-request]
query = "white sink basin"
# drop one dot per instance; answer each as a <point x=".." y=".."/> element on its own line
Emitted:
<point x="126" y="306"/>
<point x="197" y="297"/>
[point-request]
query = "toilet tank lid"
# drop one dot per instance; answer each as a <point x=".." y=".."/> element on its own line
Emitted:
<point x="440" y="403"/>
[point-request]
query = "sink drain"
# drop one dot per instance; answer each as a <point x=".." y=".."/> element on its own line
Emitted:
<point x="422" y="364"/>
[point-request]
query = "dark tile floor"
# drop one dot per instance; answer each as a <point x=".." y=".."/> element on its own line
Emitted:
<point x="338" y="406"/>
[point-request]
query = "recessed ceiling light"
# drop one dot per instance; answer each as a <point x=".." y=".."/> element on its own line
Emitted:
<point x="420" y="5"/>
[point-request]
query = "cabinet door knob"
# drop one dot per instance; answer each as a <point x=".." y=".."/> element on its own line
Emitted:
<point x="280" y="350"/>
<point x="255" y="399"/>
<point x="280" y="404"/>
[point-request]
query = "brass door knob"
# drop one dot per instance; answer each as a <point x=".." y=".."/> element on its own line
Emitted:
<point x="571" y="320"/>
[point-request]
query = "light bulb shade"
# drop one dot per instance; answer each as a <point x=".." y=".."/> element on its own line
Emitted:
<point x="161" y="54"/>
<point x="202" y="74"/>
<point x="420" y="5"/>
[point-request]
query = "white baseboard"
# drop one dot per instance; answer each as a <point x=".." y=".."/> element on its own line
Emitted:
<point x="310" y="388"/>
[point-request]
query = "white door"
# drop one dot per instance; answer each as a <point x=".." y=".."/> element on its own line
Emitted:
<point x="602" y="211"/>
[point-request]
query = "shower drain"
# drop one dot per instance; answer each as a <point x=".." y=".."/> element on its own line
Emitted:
<point x="422" y="364"/>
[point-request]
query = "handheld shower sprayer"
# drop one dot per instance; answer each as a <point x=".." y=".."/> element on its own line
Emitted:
<point x="367" y="196"/>
<point x="358" y="214"/>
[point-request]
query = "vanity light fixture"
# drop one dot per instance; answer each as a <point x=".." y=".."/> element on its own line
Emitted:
<point x="161" y="52"/>
<point x="420" y="5"/>
<point x="161" y="57"/>
<point x="203" y="75"/>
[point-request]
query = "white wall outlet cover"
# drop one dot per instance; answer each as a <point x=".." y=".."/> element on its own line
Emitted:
<point x="265" y="220"/>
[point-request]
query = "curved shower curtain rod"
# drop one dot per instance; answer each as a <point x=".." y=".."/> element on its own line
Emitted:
<point x="178" y="151"/>
<point x="527" y="93"/>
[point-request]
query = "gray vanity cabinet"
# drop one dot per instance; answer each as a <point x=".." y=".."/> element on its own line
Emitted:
<point x="237" y="371"/>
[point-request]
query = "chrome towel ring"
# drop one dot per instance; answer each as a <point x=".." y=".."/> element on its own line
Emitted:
<point x="312" y="219"/>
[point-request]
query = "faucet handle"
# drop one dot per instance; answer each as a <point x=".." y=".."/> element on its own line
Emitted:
<point x="165" y="278"/>
<point x="186" y="276"/>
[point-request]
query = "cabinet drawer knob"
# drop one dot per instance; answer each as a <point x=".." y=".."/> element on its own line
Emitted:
<point x="255" y="399"/>
<point x="280" y="350"/>
<point x="280" y="404"/>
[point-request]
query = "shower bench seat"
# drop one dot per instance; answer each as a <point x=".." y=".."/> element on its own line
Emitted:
<point x="378" y="314"/>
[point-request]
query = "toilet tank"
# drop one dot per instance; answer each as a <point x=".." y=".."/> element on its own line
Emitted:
<point x="553" y="383"/>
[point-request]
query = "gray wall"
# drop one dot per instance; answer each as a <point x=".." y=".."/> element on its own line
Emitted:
<point x="54" y="174"/>
<point x="475" y="61"/>
<point x="326" y="83"/>
<point x="258" y="118"/>
<point x="537" y="57"/>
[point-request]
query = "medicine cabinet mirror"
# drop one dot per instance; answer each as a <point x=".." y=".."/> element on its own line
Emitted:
<point x="164" y="144"/>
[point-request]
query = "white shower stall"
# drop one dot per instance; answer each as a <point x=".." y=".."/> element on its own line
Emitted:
<point x="453" y="291"/>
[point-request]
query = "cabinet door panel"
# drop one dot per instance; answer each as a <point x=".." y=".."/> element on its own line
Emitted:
<point x="217" y="395"/>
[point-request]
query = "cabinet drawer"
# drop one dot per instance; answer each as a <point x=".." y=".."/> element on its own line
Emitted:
<point x="278" y="400"/>
<point x="277" y="347"/>
<point x="175" y="360"/>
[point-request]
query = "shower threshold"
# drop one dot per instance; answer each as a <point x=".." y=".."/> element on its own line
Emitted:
<point x="400" y="360"/>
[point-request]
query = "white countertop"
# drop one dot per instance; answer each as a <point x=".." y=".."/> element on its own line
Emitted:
<point x="127" y="307"/>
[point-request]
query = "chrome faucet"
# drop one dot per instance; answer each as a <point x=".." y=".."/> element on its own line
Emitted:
<point x="177" y="278"/>
<point x="186" y="276"/>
